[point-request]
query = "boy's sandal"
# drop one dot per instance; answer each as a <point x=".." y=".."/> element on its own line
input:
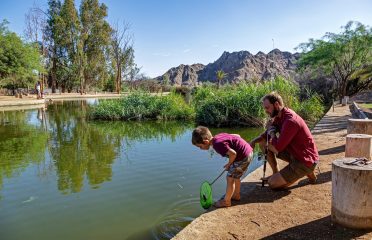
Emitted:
<point x="221" y="204"/>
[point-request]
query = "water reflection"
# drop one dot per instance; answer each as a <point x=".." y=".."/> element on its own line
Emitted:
<point x="53" y="160"/>
<point x="80" y="150"/>
<point x="20" y="143"/>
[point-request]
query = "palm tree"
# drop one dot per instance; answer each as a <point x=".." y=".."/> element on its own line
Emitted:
<point x="220" y="75"/>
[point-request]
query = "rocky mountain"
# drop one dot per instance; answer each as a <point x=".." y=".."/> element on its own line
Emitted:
<point x="238" y="66"/>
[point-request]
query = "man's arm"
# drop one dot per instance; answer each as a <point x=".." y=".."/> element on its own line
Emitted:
<point x="257" y="140"/>
<point x="289" y="130"/>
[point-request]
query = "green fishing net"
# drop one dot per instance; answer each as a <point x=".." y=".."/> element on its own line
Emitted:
<point x="206" y="199"/>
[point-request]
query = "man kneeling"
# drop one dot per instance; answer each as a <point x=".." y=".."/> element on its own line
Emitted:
<point x="295" y="144"/>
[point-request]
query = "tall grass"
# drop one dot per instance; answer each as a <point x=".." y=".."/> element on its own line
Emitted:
<point x="241" y="104"/>
<point x="230" y="105"/>
<point x="142" y="106"/>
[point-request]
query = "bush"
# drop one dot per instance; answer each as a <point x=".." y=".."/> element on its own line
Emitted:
<point x="241" y="104"/>
<point x="141" y="106"/>
<point x="231" y="105"/>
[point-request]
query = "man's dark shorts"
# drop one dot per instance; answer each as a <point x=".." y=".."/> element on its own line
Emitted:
<point x="237" y="169"/>
<point x="295" y="169"/>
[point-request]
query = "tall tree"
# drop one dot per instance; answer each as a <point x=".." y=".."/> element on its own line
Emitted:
<point x="122" y="53"/>
<point x="35" y="22"/>
<point x="340" y="56"/>
<point x="69" y="28"/>
<point x="19" y="61"/>
<point x="95" y="35"/>
<point x="52" y="36"/>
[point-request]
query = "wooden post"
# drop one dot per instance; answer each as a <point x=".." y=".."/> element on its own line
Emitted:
<point x="359" y="146"/>
<point x="351" y="194"/>
<point x="333" y="104"/>
<point x="362" y="126"/>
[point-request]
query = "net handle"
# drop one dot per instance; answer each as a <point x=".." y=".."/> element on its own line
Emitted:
<point x="218" y="177"/>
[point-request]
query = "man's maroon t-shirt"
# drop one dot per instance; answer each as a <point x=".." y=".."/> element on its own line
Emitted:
<point x="295" y="137"/>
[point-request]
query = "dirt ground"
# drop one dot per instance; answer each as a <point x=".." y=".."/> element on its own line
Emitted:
<point x="31" y="99"/>
<point x="303" y="211"/>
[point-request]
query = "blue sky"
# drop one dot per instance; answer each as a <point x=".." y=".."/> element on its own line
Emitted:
<point x="172" y="32"/>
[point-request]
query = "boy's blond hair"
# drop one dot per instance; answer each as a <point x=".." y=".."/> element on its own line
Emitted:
<point x="199" y="134"/>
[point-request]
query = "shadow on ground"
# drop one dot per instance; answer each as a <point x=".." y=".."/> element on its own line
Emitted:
<point x="323" y="177"/>
<point x="333" y="150"/>
<point x="322" y="228"/>
<point x="253" y="192"/>
<point x="330" y="124"/>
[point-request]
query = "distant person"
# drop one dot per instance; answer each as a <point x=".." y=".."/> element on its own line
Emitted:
<point x="38" y="89"/>
<point x="290" y="140"/>
<point x="234" y="147"/>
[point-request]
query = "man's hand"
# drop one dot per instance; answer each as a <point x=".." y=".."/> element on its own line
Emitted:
<point x="271" y="131"/>
<point x="269" y="123"/>
<point x="273" y="149"/>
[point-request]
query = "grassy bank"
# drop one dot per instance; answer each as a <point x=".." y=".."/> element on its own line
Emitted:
<point x="143" y="106"/>
<point x="241" y="104"/>
<point x="231" y="105"/>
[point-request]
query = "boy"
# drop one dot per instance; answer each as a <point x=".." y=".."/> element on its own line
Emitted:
<point x="238" y="151"/>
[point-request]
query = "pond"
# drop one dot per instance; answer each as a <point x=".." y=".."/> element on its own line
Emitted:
<point x="63" y="176"/>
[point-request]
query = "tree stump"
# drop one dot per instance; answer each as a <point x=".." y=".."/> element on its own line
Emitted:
<point x="352" y="193"/>
<point x="359" y="146"/>
<point x="362" y="126"/>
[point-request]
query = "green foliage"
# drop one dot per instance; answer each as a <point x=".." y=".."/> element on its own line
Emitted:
<point x="241" y="104"/>
<point x="311" y="109"/>
<point x="166" y="81"/>
<point x="366" y="105"/>
<point x="95" y="37"/>
<point x="19" y="61"/>
<point x="220" y="76"/>
<point x="68" y="39"/>
<point x="143" y="131"/>
<point x="230" y="105"/>
<point x="21" y="144"/>
<point x="141" y="106"/>
<point x="340" y="56"/>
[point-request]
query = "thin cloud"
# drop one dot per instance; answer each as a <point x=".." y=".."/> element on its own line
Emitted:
<point x="162" y="54"/>
<point x="187" y="50"/>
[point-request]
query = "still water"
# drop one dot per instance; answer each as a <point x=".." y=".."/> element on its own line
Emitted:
<point x="63" y="176"/>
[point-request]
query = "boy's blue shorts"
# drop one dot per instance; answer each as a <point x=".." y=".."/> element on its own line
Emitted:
<point x="237" y="169"/>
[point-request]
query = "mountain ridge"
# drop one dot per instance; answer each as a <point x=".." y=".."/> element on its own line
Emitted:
<point x="238" y="66"/>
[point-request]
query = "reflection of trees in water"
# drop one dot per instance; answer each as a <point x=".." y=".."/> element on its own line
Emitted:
<point x="130" y="133"/>
<point x="79" y="150"/>
<point x="20" y="143"/>
<point x="142" y="131"/>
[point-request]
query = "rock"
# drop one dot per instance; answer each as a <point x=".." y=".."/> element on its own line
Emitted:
<point x="238" y="66"/>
